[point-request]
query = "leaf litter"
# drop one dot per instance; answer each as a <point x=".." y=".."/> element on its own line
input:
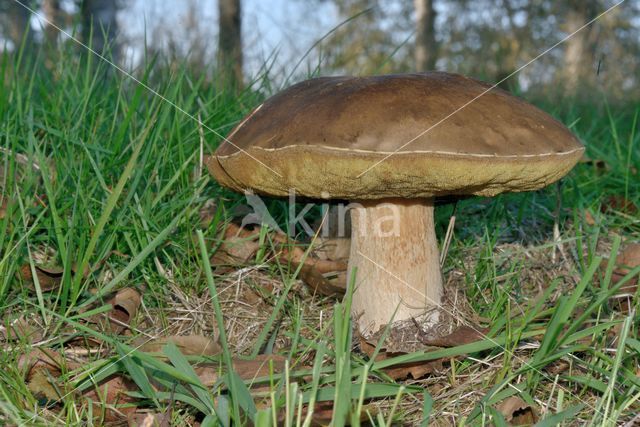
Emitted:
<point x="46" y="369"/>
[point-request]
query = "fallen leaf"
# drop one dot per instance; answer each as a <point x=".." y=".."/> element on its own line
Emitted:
<point x="261" y="366"/>
<point x="588" y="218"/>
<point x="22" y="329"/>
<point x="4" y="205"/>
<point x="150" y="419"/>
<point x="42" y="383"/>
<point x="189" y="345"/>
<point x="557" y="367"/>
<point x="39" y="357"/>
<point x="620" y="204"/>
<point x="517" y="412"/>
<point x="326" y="266"/>
<point x="43" y="369"/>
<point x="313" y="269"/>
<point x="338" y="279"/>
<point x="238" y="247"/>
<point x="462" y="335"/>
<point x="49" y="277"/>
<point x="333" y="248"/>
<point x="627" y="260"/>
<point x="323" y="413"/>
<point x="417" y="370"/>
<point x="111" y="395"/>
<point x="124" y="307"/>
<point x="207" y="212"/>
<point x="319" y="284"/>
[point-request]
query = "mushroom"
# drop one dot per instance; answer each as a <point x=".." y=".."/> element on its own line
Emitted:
<point x="390" y="145"/>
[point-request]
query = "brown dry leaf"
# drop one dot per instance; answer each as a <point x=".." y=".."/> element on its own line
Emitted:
<point x="238" y="248"/>
<point x="320" y="284"/>
<point x="41" y="357"/>
<point x="189" y="345"/>
<point x="247" y="369"/>
<point x="150" y="419"/>
<point x="42" y="383"/>
<point x="620" y="204"/>
<point x="462" y="335"/>
<point x="339" y="280"/>
<point x="325" y="265"/>
<point x="323" y="413"/>
<point x="517" y="412"/>
<point x="207" y="212"/>
<point x="314" y="268"/>
<point x="291" y="251"/>
<point x="124" y="307"/>
<point x="333" y="248"/>
<point x="111" y="395"/>
<point x="49" y="277"/>
<point x="557" y="367"/>
<point x="288" y="250"/>
<point x="22" y="329"/>
<point x="627" y="260"/>
<point x="43" y="368"/>
<point x="251" y="297"/>
<point x="4" y="205"/>
<point x="588" y="218"/>
<point x="416" y="370"/>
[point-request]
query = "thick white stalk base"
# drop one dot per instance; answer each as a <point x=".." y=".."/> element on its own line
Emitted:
<point x="395" y="253"/>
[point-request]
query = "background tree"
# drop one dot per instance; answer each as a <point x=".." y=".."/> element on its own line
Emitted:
<point x="100" y="26"/>
<point x="373" y="38"/>
<point x="426" y="46"/>
<point x="230" y="43"/>
<point x="15" y="22"/>
<point x="579" y="50"/>
<point x="53" y="14"/>
<point x="487" y="39"/>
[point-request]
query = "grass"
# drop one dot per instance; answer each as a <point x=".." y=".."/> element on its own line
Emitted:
<point x="102" y="178"/>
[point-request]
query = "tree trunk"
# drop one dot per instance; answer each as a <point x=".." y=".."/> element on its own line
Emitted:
<point x="577" y="66"/>
<point x="230" y="43"/>
<point x="18" y="27"/>
<point x="99" y="26"/>
<point x="53" y="14"/>
<point x="426" y="46"/>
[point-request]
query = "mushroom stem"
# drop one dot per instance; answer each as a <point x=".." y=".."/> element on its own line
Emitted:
<point x="395" y="251"/>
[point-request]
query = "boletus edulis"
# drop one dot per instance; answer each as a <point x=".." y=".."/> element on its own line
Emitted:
<point x="390" y="145"/>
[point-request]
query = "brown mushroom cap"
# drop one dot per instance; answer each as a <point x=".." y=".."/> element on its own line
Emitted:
<point x="321" y="134"/>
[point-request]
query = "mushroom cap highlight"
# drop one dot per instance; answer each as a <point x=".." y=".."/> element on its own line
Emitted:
<point x="406" y="135"/>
